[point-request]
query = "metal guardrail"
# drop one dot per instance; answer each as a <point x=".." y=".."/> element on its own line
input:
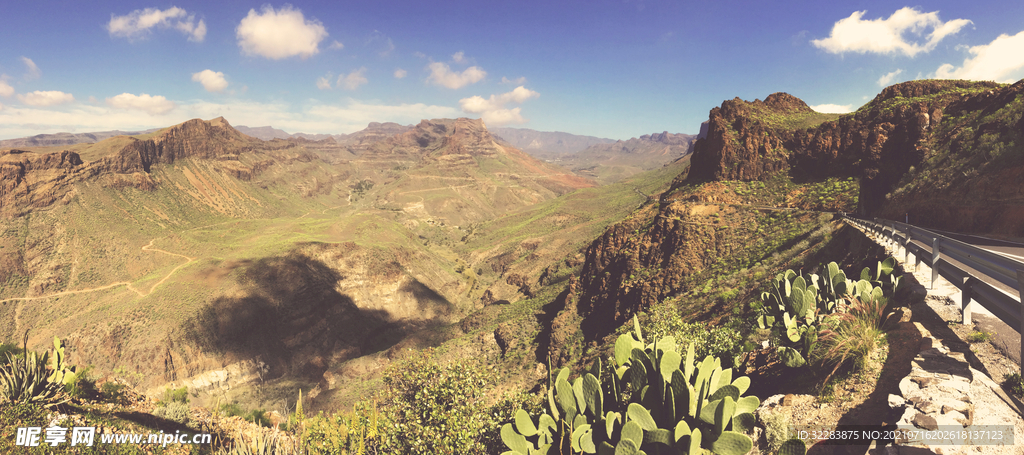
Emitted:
<point x="990" y="265"/>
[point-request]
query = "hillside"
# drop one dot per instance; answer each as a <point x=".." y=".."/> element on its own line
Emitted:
<point x="546" y="145"/>
<point x="188" y="228"/>
<point x="608" y="163"/>
<point x="248" y="270"/>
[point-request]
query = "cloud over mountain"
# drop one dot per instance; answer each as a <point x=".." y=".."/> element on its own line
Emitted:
<point x="887" y="36"/>
<point x="139" y="23"/>
<point x="213" y="81"/>
<point x="46" y="98"/>
<point x="833" y="108"/>
<point x="441" y="74"/>
<point x="278" y="34"/>
<point x="1002" y="60"/>
<point x="493" y="111"/>
<point x="153" y="105"/>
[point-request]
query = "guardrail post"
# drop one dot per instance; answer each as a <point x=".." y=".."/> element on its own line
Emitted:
<point x="965" y="299"/>
<point x="906" y="248"/>
<point x="1020" y="289"/>
<point x="935" y="261"/>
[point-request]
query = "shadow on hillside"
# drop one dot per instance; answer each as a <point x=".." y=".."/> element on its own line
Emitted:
<point x="295" y="320"/>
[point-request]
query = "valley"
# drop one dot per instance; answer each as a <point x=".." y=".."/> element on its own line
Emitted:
<point x="247" y="270"/>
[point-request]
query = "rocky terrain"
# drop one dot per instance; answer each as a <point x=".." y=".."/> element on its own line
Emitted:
<point x="611" y="162"/>
<point x="546" y="145"/>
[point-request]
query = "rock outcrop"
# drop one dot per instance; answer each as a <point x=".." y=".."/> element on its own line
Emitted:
<point x="878" y="143"/>
<point x="31" y="181"/>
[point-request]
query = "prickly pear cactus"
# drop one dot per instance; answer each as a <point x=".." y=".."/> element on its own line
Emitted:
<point x="796" y="306"/>
<point x="655" y="401"/>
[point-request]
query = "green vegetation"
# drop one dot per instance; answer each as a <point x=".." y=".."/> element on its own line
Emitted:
<point x="25" y="379"/>
<point x="655" y="398"/>
<point x="844" y="313"/>
<point x="788" y="121"/>
<point x="979" y="336"/>
<point x="1015" y="383"/>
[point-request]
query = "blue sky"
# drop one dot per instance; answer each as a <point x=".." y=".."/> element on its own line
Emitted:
<point x="615" y="69"/>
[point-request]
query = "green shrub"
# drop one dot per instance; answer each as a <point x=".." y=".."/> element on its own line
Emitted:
<point x="113" y="392"/>
<point x="716" y="341"/>
<point x="325" y="434"/>
<point x="1015" y="383"/>
<point x="978" y="336"/>
<point x="258" y="416"/>
<point x="81" y="385"/>
<point x="179" y="395"/>
<point x="231" y="410"/>
<point x="430" y="409"/>
<point x="174" y="410"/>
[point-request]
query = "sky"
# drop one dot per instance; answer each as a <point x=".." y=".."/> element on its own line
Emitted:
<point x="614" y="69"/>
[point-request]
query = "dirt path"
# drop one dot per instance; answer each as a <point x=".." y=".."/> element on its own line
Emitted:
<point x="149" y="247"/>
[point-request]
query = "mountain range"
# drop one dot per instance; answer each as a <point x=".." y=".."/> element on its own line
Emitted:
<point x="246" y="269"/>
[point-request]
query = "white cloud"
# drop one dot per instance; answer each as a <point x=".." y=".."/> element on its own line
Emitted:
<point x="213" y="81"/>
<point x="278" y="34"/>
<point x="441" y="74"/>
<point x="493" y="111"/>
<point x="336" y="45"/>
<point x="400" y="73"/>
<point x="459" y="57"/>
<point x="153" y="105"/>
<point x="31" y="70"/>
<point x="5" y="89"/>
<point x="139" y="23"/>
<point x="348" y="117"/>
<point x="834" y="108"/>
<point x="885" y="80"/>
<point x="324" y="83"/>
<point x="516" y="81"/>
<point x="48" y="98"/>
<point x="886" y="36"/>
<point x="1002" y="60"/>
<point x="353" y="80"/>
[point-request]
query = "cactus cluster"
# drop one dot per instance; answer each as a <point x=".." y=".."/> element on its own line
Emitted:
<point x="656" y="401"/>
<point x="26" y="379"/>
<point x="61" y="372"/>
<point x="797" y="305"/>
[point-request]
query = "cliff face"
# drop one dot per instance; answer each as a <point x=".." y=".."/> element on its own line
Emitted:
<point x="34" y="181"/>
<point x="31" y="181"/>
<point x="971" y="178"/>
<point x="193" y="139"/>
<point x="758" y="140"/>
<point x="647" y="258"/>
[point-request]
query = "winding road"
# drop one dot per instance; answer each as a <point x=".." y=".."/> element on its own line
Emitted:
<point x="149" y="247"/>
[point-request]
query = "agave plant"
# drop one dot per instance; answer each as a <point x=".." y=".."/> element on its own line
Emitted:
<point x="25" y="379"/>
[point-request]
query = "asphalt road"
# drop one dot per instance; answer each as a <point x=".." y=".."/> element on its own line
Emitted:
<point x="1007" y="339"/>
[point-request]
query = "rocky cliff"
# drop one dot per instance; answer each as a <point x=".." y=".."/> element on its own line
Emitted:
<point x="31" y="181"/>
<point x="36" y="180"/>
<point x="971" y="175"/>
<point x="782" y="142"/>
<point x="878" y="143"/>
